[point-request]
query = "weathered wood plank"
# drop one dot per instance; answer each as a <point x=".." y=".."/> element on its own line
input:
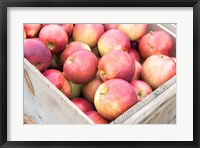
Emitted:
<point x="45" y="103"/>
<point x="165" y="113"/>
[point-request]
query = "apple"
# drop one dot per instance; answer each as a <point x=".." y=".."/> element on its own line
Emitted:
<point x="88" y="33"/>
<point x="56" y="63"/>
<point x="155" y="42"/>
<point x="32" y="30"/>
<point x="37" y="53"/>
<point x="138" y="68"/>
<point x="133" y="31"/>
<point x="114" y="97"/>
<point x="90" y="88"/>
<point x="110" y="26"/>
<point x="135" y="54"/>
<point x="158" y="69"/>
<point x="142" y="88"/>
<point x="83" y="104"/>
<point x="80" y="67"/>
<point x="116" y="64"/>
<point x="71" y="48"/>
<point x="76" y="89"/>
<point x="58" y="79"/>
<point x="24" y="35"/>
<point x="54" y="37"/>
<point x="173" y="58"/>
<point x="68" y="28"/>
<point x="96" y="117"/>
<point x="113" y="40"/>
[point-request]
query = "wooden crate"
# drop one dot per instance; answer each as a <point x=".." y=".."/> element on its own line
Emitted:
<point x="45" y="104"/>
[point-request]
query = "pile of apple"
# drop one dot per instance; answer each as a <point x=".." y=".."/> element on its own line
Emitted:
<point x="104" y="69"/>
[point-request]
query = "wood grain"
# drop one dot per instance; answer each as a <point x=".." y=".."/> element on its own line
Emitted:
<point x="48" y="105"/>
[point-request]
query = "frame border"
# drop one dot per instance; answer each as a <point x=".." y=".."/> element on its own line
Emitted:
<point x="98" y="3"/>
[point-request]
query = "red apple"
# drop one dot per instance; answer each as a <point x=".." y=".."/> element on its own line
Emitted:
<point x="158" y="69"/>
<point x="173" y="58"/>
<point x="37" y="53"/>
<point x="54" y="37"/>
<point x="88" y="33"/>
<point x="24" y="35"/>
<point x="142" y="88"/>
<point x="68" y="28"/>
<point x="58" y="80"/>
<point x="135" y="54"/>
<point x="116" y="64"/>
<point x="96" y="117"/>
<point x="113" y="40"/>
<point x="110" y="26"/>
<point x="133" y="31"/>
<point x="83" y="104"/>
<point x="90" y="88"/>
<point x="76" y="89"/>
<point x="31" y="30"/>
<point x="137" y="73"/>
<point x="71" y="48"/>
<point x="80" y="67"/>
<point x="114" y="97"/>
<point x="155" y="42"/>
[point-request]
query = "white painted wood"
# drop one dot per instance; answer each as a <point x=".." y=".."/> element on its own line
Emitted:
<point x="45" y="104"/>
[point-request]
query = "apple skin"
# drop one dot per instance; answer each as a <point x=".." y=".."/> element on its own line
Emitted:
<point x="54" y="37"/>
<point x="83" y="104"/>
<point x="133" y="31"/>
<point x="24" y="35"/>
<point x="138" y="68"/>
<point x="31" y="30"/>
<point x="158" y="69"/>
<point x="110" y="26"/>
<point x="68" y="28"/>
<point x="37" y="53"/>
<point x="88" y="33"/>
<point x="58" y="79"/>
<point x="142" y="89"/>
<point x="114" y="97"/>
<point x="80" y="67"/>
<point x="116" y="64"/>
<point x="155" y="42"/>
<point x="71" y="48"/>
<point x="135" y="54"/>
<point x="76" y="89"/>
<point x="173" y="58"/>
<point x="96" y="117"/>
<point x="90" y="88"/>
<point x="113" y="40"/>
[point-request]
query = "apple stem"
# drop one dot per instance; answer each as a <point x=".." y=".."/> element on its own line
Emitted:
<point x="51" y="45"/>
<point x="103" y="73"/>
<point x="104" y="91"/>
